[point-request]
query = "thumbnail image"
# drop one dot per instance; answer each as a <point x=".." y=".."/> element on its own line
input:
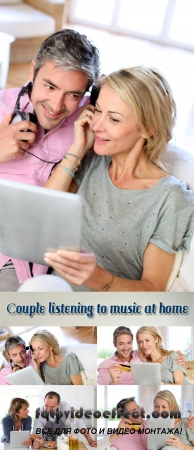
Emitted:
<point x="145" y="417"/>
<point x="145" y="355"/>
<point x="45" y="417"/>
<point x="48" y="355"/>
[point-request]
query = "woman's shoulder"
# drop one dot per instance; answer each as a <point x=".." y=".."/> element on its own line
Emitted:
<point x="7" y="419"/>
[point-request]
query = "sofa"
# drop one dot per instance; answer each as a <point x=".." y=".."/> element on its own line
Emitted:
<point x="30" y="22"/>
<point x="181" y="165"/>
<point x="87" y="353"/>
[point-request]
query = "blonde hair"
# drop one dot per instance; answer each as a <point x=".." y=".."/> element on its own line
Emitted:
<point x="155" y="333"/>
<point x="168" y="397"/>
<point x="15" y="405"/>
<point x="149" y="95"/>
<point x="48" y="338"/>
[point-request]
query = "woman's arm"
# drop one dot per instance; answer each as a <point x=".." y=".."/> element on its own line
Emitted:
<point x="76" y="379"/>
<point x="62" y="177"/>
<point x="178" y="377"/>
<point x="8" y="425"/>
<point x="81" y="269"/>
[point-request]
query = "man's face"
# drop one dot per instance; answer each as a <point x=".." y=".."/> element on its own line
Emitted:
<point x="124" y="344"/>
<point x="18" y="355"/>
<point x="51" y="403"/>
<point x="56" y="94"/>
<point x="131" y="407"/>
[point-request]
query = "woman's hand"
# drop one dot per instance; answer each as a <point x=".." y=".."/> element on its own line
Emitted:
<point x="83" y="134"/>
<point x="36" y="362"/>
<point x="75" y="267"/>
<point x="175" y="441"/>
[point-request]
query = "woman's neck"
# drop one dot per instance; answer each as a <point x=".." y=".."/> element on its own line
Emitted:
<point x="156" y="356"/>
<point x="54" y="360"/>
<point x="132" y="170"/>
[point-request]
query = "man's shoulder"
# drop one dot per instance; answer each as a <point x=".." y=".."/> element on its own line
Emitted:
<point x="9" y="95"/>
<point x="107" y="362"/>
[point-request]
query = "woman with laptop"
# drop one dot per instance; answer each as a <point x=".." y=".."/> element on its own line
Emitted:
<point x="52" y="366"/>
<point x="150" y="349"/>
<point x="17" y="419"/>
<point x="136" y="217"/>
<point x="166" y="401"/>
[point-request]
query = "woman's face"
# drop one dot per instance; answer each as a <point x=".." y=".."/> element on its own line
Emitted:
<point x="147" y="343"/>
<point x="114" y="125"/>
<point x="161" y="405"/>
<point x="23" y="412"/>
<point x="41" y="350"/>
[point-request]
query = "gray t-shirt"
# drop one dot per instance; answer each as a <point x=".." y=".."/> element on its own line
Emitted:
<point x="119" y="224"/>
<point x="168" y="366"/>
<point x="186" y="434"/>
<point x="70" y="365"/>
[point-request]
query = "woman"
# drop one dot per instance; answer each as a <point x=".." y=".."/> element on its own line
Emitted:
<point x="51" y="365"/>
<point x="135" y="216"/>
<point x="17" y="419"/>
<point x="166" y="401"/>
<point x="150" y="349"/>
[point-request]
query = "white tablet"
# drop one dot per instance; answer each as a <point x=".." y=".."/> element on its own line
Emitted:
<point x="24" y="376"/>
<point x="34" y="220"/>
<point x="17" y="437"/>
<point x="146" y="373"/>
<point x="162" y="427"/>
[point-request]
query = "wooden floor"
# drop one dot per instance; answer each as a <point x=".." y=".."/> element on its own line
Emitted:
<point x="64" y="335"/>
<point x="18" y="75"/>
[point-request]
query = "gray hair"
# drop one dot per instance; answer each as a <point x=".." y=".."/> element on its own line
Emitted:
<point x="70" y="50"/>
<point x="121" y="406"/>
<point x="13" y="341"/>
<point x="121" y="330"/>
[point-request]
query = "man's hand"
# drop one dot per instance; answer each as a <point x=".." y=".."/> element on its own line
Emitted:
<point x="12" y="137"/>
<point x="93" y="444"/>
<point x="27" y="443"/>
<point x="37" y="443"/>
<point x="15" y="369"/>
<point x="190" y="422"/>
<point x="115" y="373"/>
<point x="180" y="360"/>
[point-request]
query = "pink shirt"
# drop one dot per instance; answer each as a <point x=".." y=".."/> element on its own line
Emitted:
<point x="131" y="441"/>
<point x="30" y="170"/>
<point x="7" y="370"/>
<point x="125" y="378"/>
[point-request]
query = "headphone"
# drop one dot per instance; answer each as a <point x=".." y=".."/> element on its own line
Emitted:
<point x="18" y="115"/>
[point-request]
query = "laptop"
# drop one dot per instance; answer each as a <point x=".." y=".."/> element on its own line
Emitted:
<point x="156" y="441"/>
<point x="34" y="220"/>
<point x="24" y="376"/>
<point x="146" y="373"/>
<point x="17" y="437"/>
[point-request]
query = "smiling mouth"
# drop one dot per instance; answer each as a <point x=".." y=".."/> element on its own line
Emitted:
<point x="54" y="114"/>
<point x="101" y="140"/>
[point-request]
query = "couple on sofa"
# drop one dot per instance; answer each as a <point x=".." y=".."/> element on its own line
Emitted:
<point x="150" y="349"/>
<point x="44" y="355"/>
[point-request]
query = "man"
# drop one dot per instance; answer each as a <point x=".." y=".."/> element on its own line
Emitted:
<point x="114" y="369"/>
<point x="64" y="68"/>
<point x="129" y="441"/>
<point x="52" y="400"/>
<point x="15" y="348"/>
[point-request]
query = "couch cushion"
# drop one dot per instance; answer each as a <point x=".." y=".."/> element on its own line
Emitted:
<point x="23" y="21"/>
<point x="181" y="165"/>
